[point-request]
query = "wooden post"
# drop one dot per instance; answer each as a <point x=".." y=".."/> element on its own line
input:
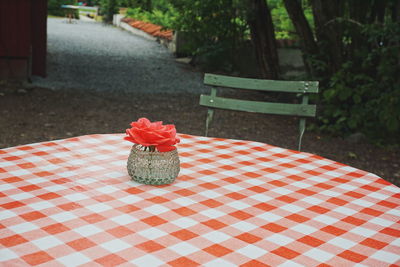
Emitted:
<point x="39" y="37"/>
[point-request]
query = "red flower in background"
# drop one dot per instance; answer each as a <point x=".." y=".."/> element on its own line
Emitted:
<point x="154" y="135"/>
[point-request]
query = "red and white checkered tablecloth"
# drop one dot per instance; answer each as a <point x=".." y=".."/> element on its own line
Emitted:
<point x="235" y="203"/>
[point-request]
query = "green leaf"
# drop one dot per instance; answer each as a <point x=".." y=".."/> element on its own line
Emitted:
<point x="352" y="155"/>
<point x="356" y="99"/>
<point x="342" y="119"/>
<point x="393" y="124"/>
<point x="344" y="94"/>
<point x="352" y="123"/>
<point x="329" y="94"/>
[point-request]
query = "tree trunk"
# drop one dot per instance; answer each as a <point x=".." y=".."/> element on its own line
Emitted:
<point x="149" y="5"/>
<point x="329" y="31"/>
<point x="360" y="10"/>
<point x="396" y="11"/>
<point x="263" y="37"/>
<point x="111" y="6"/>
<point x="146" y="5"/>
<point x="379" y="8"/>
<point x="303" y="29"/>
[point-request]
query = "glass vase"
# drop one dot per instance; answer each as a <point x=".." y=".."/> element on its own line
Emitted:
<point x="153" y="168"/>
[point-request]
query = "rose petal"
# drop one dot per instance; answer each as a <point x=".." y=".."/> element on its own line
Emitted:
<point x="157" y="125"/>
<point x="139" y="136"/>
<point x="149" y="136"/>
<point x="149" y="133"/>
<point x="163" y="148"/>
<point x="142" y="122"/>
<point x="128" y="138"/>
<point x="132" y="139"/>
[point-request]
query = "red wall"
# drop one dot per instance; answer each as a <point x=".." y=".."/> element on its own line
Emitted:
<point x="23" y="38"/>
<point x="39" y="37"/>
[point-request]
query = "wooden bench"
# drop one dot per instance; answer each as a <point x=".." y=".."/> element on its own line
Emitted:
<point x="301" y="88"/>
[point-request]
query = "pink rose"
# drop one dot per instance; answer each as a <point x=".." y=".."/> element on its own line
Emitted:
<point x="153" y="134"/>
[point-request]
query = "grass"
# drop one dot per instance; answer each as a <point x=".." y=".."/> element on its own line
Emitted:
<point x="87" y="10"/>
<point x="99" y="18"/>
<point x="54" y="17"/>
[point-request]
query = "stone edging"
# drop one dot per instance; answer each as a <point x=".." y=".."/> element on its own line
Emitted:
<point x="170" y="43"/>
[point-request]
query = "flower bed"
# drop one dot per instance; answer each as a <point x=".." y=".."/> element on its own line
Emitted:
<point x="149" y="28"/>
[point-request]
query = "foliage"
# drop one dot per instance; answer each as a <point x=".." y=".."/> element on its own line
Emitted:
<point x="107" y="9"/>
<point x="213" y="29"/>
<point x="165" y="18"/>
<point x="127" y="3"/>
<point x="364" y="95"/>
<point x="356" y="57"/>
<point x="54" y="7"/>
<point x="284" y="28"/>
<point x="92" y="2"/>
<point x="146" y="5"/>
<point x="283" y="25"/>
<point x="167" y="10"/>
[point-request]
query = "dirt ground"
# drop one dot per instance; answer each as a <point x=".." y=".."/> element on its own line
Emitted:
<point x="31" y="115"/>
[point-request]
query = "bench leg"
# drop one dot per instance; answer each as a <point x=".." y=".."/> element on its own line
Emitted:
<point x="210" y="114"/>
<point x="302" y="127"/>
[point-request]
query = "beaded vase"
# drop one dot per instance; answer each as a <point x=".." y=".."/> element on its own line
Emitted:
<point x="153" y="168"/>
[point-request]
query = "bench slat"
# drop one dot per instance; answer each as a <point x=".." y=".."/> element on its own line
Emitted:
<point x="260" y="107"/>
<point x="261" y="85"/>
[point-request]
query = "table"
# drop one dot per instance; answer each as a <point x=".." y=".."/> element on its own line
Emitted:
<point x="236" y="203"/>
<point x="70" y="12"/>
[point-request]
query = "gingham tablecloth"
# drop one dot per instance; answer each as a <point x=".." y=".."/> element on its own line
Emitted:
<point x="235" y="203"/>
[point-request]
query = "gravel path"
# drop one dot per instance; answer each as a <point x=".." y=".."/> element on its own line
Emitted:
<point x="97" y="57"/>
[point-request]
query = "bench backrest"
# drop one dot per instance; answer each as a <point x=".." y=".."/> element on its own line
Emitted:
<point x="302" y="109"/>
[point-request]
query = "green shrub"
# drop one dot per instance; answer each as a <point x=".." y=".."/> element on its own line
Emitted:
<point x="364" y="95"/>
<point x="166" y="18"/>
<point x="107" y="9"/>
<point x="54" y="7"/>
